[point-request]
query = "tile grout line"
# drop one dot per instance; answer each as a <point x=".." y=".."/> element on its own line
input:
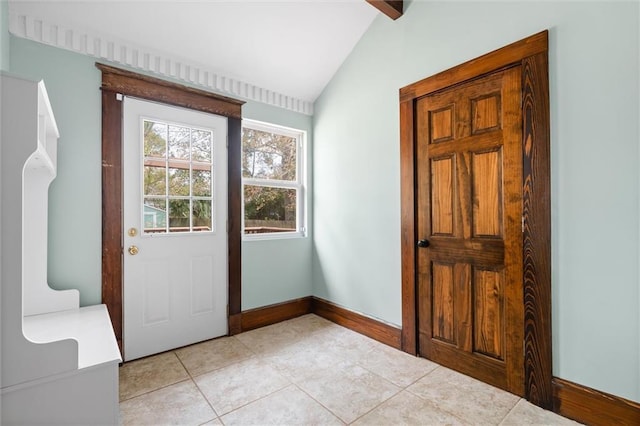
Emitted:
<point x="432" y="403"/>
<point x="510" y="411"/>
<point x="198" y="388"/>
<point x="320" y="403"/>
<point x="377" y="406"/>
<point x="154" y="390"/>
<point x="402" y="387"/>
<point x="267" y="395"/>
<point x="256" y="400"/>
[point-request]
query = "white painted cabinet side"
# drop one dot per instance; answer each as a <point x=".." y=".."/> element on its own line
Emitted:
<point x="23" y="360"/>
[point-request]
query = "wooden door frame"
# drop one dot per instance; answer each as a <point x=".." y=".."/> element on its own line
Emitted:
<point x="531" y="54"/>
<point x="115" y="83"/>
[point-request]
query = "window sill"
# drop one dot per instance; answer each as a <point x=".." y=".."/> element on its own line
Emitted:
<point x="274" y="236"/>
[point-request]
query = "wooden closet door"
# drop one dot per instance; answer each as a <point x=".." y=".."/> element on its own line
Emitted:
<point x="469" y="212"/>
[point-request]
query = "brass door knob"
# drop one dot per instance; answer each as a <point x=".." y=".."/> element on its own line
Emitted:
<point x="133" y="250"/>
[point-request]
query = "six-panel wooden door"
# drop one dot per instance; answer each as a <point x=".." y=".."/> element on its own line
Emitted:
<point x="469" y="212"/>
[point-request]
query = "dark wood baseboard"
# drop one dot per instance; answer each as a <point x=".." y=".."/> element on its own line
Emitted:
<point x="272" y="314"/>
<point x="267" y="315"/>
<point x="593" y="407"/>
<point x="377" y="330"/>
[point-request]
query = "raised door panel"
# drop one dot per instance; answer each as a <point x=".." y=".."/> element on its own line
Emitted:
<point x="487" y="193"/>
<point x="441" y="129"/>
<point x="488" y="308"/>
<point x="156" y="292"/>
<point x="486" y="113"/>
<point x="443" y="311"/>
<point x="202" y="274"/>
<point x="442" y="196"/>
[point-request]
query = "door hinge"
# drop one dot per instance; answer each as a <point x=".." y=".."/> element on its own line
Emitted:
<point x="119" y="97"/>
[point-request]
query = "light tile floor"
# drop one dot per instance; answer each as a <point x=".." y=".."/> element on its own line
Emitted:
<point x="309" y="371"/>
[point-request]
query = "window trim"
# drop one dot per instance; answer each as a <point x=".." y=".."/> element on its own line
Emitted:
<point x="300" y="184"/>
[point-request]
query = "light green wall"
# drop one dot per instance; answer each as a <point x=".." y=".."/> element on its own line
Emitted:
<point x="273" y="271"/>
<point x="4" y="35"/>
<point x="277" y="270"/>
<point x="595" y="160"/>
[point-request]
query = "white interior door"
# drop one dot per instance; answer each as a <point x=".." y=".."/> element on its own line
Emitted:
<point x="175" y="216"/>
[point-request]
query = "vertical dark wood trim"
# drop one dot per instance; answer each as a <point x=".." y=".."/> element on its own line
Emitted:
<point x="112" y="209"/>
<point x="408" y="237"/>
<point x="593" y="407"/>
<point x="235" y="324"/>
<point x="531" y="53"/>
<point x="537" y="231"/>
<point x="234" y="152"/>
<point x="115" y="80"/>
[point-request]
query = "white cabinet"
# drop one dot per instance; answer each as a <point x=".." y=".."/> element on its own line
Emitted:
<point x="59" y="361"/>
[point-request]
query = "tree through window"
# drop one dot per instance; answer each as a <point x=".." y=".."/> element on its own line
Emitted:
<point x="273" y="181"/>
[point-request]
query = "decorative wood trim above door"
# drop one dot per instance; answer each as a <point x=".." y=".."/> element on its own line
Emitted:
<point x="145" y="87"/>
<point x="532" y="55"/>
<point x="117" y="82"/>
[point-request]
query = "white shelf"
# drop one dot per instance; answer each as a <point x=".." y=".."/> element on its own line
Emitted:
<point x="89" y="326"/>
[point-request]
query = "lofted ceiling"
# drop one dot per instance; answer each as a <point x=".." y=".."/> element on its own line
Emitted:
<point x="288" y="47"/>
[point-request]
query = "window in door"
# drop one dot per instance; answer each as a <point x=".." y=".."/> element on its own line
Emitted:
<point x="177" y="185"/>
<point x="273" y="181"/>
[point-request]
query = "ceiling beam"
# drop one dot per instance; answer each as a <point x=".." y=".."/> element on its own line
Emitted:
<point x="392" y="8"/>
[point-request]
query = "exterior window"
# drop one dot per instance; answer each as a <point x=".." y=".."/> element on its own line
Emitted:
<point x="177" y="169"/>
<point x="273" y="180"/>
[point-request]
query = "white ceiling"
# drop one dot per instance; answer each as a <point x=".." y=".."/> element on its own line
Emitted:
<point x="290" y="47"/>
